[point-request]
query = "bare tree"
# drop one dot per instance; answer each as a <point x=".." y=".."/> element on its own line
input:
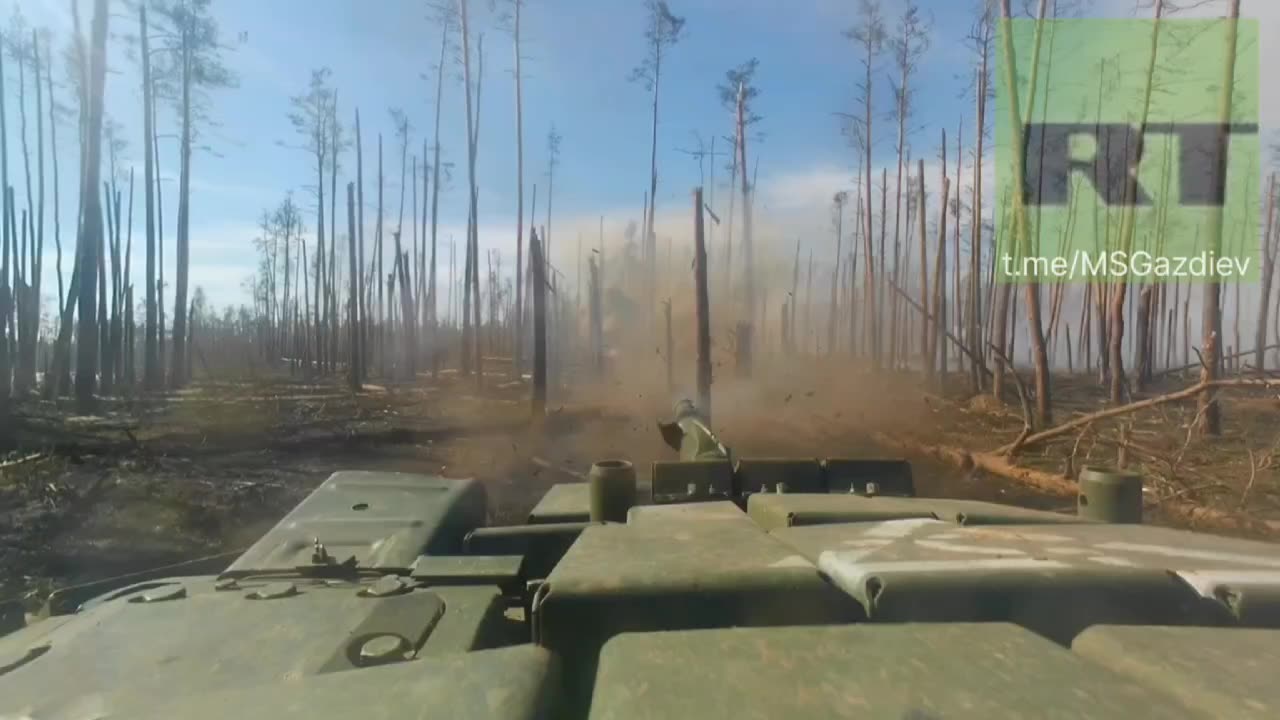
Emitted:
<point x="662" y="31"/>
<point x="1044" y="402"/>
<point x="361" y="350"/>
<point x="517" y="361"/>
<point x="870" y="36"/>
<point x="980" y="39"/>
<point x="1210" y="411"/>
<point x="841" y="198"/>
<point x="1268" y="276"/>
<point x="909" y="44"/>
<point x="703" y="309"/>
<point x="446" y="23"/>
<point x="538" y="266"/>
<point x="337" y="144"/>
<point x="1116" y="326"/>
<point x="471" y="262"/>
<point x="926" y="357"/>
<point x="400" y="123"/>
<point x="6" y="292"/>
<point x="312" y="116"/>
<point x="553" y="162"/>
<point x="738" y="93"/>
<point x="93" y="75"/>
<point x="151" y="370"/>
<point x="196" y="66"/>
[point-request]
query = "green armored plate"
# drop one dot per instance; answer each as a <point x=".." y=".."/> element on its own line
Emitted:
<point x="975" y="512"/>
<point x="382" y="519"/>
<point x="686" y="513"/>
<point x="678" y="556"/>
<point x="467" y="569"/>
<point x="474" y="619"/>
<point x="772" y="511"/>
<point x="862" y="671"/>
<point x="1057" y="578"/>
<point x="1226" y="673"/>
<point x="185" y="636"/>
<point x="679" y="482"/>
<point x="563" y="503"/>
<point x="802" y="476"/>
<point x="510" y="684"/>
<point x="663" y="576"/>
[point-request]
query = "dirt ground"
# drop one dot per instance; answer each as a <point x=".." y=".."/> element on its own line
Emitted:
<point x="206" y="471"/>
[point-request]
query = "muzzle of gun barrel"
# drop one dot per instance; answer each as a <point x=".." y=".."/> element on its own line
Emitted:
<point x="690" y="435"/>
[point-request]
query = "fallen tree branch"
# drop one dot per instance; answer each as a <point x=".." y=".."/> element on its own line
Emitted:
<point x="1189" y="514"/>
<point x="928" y="316"/>
<point x="1198" y="365"/>
<point x="1133" y="407"/>
<point x="993" y="463"/>
<point x="1075" y="447"/>
<point x="1027" y="425"/>
<point x="1193" y="489"/>
<point x="21" y="461"/>
<point x="1253" y="474"/>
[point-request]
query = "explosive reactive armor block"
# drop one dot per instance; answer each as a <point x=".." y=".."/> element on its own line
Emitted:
<point x="874" y="671"/>
<point x="692" y="573"/>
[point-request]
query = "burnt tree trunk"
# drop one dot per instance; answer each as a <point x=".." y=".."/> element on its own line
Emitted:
<point x="703" y="309"/>
<point x="940" y="275"/>
<point x="671" y="376"/>
<point x="360" y="340"/>
<point x="1034" y="324"/>
<point x="539" y="271"/>
<point x="597" y="334"/>
<point x="90" y="240"/>
<point x="926" y="358"/>
<point x="1211" y="322"/>
<point x="353" y="310"/>
<point x="151" y="359"/>
<point x="1268" y="272"/>
<point x="937" y="344"/>
<point x="178" y="373"/>
<point x="833" y="310"/>
<point x="748" y="249"/>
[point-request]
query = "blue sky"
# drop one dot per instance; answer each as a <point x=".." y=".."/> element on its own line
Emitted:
<point x="577" y="56"/>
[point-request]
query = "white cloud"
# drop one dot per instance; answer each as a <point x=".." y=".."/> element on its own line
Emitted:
<point x="804" y="190"/>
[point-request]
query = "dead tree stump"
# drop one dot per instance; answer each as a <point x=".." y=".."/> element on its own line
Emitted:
<point x="539" y="326"/>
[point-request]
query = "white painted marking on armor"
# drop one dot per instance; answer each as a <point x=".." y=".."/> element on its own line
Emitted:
<point x="1067" y="551"/>
<point x="999" y="534"/>
<point x="1114" y="561"/>
<point x="1207" y="581"/>
<point x="791" y="561"/>
<point x="899" y="528"/>
<point x="1194" y="554"/>
<point x="866" y="543"/>
<point x="843" y="567"/>
<point x="974" y="549"/>
<point x="852" y="555"/>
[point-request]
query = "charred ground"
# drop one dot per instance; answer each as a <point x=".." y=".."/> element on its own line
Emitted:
<point x="177" y="477"/>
